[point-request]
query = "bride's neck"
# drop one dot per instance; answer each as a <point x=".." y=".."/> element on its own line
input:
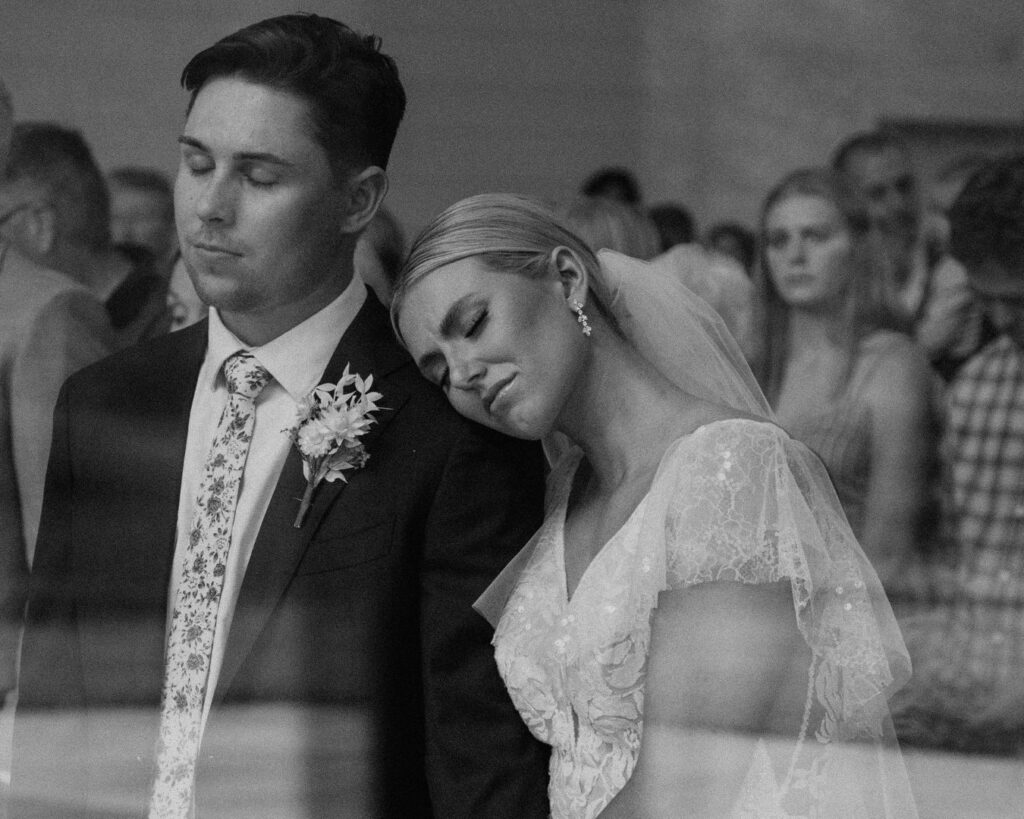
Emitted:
<point x="621" y="411"/>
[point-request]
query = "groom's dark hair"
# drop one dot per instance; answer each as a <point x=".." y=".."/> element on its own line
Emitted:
<point x="355" y="97"/>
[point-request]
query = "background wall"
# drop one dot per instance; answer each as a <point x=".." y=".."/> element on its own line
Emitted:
<point x="740" y="92"/>
<point x="710" y="101"/>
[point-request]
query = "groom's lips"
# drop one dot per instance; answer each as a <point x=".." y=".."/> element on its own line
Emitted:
<point x="495" y="390"/>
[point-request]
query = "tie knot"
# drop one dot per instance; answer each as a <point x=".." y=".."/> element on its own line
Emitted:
<point x="245" y="375"/>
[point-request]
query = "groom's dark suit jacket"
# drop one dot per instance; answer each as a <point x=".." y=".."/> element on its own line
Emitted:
<point x="365" y="608"/>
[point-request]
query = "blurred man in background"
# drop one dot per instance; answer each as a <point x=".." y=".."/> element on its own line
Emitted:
<point x="967" y="692"/>
<point x="65" y="225"/>
<point x="142" y="212"/>
<point x="931" y="296"/>
<point x="50" y="326"/>
<point x="879" y="164"/>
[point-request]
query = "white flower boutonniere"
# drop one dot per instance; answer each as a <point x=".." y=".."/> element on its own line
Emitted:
<point x="328" y="424"/>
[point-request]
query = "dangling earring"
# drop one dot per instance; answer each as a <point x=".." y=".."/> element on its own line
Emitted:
<point x="581" y="317"/>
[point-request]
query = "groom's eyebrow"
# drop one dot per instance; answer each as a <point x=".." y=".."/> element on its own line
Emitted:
<point x="240" y="156"/>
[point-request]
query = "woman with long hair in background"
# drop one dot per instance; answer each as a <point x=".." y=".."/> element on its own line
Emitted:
<point x="838" y="366"/>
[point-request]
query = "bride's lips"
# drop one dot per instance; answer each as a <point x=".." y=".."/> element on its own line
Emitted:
<point x="215" y="249"/>
<point x="495" y="392"/>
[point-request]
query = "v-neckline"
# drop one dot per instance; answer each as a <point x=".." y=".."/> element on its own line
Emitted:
<point x="567" y="596"/>
<point x="563" y="508"/>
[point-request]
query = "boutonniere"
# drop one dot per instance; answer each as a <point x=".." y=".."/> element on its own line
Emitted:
<point x="328" y="425"/>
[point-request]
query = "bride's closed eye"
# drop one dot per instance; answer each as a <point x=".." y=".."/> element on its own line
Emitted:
<point x="476" y="324"/>
<point x="473" y="328"/>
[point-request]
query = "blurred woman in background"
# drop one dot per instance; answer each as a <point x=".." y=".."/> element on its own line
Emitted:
<point x="609" y="224"/>
<point x="605" y="224"/>
<point x="837" y="365"/>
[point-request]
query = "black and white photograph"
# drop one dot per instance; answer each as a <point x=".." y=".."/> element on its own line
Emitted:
<point x="539" y="410"/>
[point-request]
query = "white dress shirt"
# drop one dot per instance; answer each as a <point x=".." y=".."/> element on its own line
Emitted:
<point x="296" y="362"/>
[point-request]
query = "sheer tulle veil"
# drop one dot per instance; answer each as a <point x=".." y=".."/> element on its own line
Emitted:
<point x="678" y="332"/>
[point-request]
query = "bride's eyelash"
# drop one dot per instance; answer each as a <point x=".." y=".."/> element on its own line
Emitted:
<point x="477" y="322"/>
<point x="474" y="327"/>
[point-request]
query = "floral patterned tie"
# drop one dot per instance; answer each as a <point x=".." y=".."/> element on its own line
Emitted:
<point x="194" y="616"/>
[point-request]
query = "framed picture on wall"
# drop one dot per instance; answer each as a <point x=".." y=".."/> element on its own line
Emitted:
<point x="939" y="146"/>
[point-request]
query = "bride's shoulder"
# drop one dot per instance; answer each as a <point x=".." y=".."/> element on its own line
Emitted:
<point x="724" y="433"/>
<point x="723" y="423"/>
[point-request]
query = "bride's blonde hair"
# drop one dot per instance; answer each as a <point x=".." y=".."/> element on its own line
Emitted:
<point x="509" y="233"/>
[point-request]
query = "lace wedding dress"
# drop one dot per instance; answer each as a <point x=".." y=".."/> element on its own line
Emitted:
<point x="735" y="500"/>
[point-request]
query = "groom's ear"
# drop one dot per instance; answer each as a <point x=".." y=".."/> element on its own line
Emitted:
<point x="364" y="192"/>
<point x="571" y="272"/>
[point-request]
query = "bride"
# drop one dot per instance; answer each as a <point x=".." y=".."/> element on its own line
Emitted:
<point x="694" y="629"/>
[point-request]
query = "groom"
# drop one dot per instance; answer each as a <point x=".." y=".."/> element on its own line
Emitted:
<point x="176" y="576"/>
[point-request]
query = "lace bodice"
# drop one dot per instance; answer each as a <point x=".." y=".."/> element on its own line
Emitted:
<point x="562" y="658"/>
<point x="730" y="501"/>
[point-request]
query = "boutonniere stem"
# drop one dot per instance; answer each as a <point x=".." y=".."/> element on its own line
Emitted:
<point x="304" y="503"/>
<point x="328" y="425"/>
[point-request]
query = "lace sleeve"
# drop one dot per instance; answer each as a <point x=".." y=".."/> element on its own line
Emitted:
<point x="722" y="520"/>
<point x="741" y="501"/>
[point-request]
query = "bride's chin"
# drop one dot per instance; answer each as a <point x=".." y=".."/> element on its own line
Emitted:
<point x="524" y="433"/>
<point x="525" y="428"/>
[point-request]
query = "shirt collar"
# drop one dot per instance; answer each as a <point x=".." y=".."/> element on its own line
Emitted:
<point x="296" y="359"/>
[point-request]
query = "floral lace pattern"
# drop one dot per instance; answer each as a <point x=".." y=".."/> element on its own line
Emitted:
<point x="735" y="500"/>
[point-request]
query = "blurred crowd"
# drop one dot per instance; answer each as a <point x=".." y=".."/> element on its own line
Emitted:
<point x="882" y="313"/>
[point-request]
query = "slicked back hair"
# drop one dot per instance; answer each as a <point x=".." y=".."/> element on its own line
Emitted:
<point x="508" y="233"/>
<point x="356" y="100"/>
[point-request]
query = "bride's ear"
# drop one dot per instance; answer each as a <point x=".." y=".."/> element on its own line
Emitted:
<point x="571" y="272"/>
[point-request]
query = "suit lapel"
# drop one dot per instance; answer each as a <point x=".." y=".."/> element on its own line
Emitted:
<point x="169" y="398"/>
<point x="368" y="348"/>
<point x="151" y="436"/>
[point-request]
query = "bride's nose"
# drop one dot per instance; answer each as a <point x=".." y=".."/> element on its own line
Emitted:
<point x="466" y="375"/>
